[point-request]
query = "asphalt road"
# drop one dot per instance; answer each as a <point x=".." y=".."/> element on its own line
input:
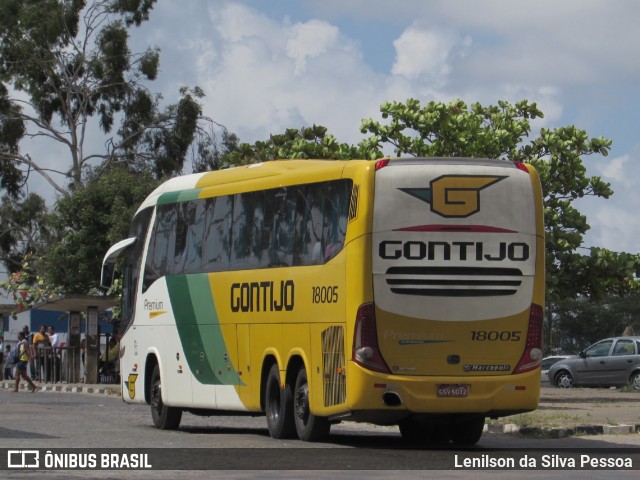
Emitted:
<point x="47" y="420"/>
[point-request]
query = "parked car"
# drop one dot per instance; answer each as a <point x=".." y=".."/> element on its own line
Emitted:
<point x="612" y="362"/>
<point x="546" y="365"/>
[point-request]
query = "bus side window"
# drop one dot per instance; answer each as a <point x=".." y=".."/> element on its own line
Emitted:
<point x="309" y="219"/>
<point x="162" y="242"/>
<point x="195" y="236"/>
<point x="219" y="214"/>
<point x="336" y="211"/>
<point x="282" y="246"/>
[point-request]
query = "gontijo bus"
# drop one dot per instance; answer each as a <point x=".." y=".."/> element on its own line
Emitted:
<point x="397" y="291"/>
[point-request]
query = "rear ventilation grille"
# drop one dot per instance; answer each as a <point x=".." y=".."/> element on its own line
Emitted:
<point x="454" y="281"/>
<point x="353" y="205"/>
<point x="333" y="364"/>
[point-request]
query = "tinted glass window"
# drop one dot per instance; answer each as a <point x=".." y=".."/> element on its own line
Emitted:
<point x="162" y="245"/>
<point x="195" y="236"/>
<point x="132" y="267"/>
<point x="301" y="225"/>
<point x="600" y="349"/>
<point x="219" y="218"/>
<point x="336" y="211"/>
<point x="282" y="240"/>
<point x="248" y="218"/>
<point x="624" y="347"/>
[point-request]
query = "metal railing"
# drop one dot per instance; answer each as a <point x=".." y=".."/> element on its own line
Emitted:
<point x="58" y="364"/>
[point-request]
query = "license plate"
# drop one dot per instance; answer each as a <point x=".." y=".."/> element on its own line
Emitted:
<point x="456" y="390"/>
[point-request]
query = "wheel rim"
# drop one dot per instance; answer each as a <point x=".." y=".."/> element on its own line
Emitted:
<point x="635" y="382"/>
<point x="564" y="380"/>
<point x="301" y="403"/>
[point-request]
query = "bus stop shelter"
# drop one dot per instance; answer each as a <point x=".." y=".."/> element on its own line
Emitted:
<point x="75" y="305"/>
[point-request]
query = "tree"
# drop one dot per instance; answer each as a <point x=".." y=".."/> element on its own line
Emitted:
<point x="22" y="227"/>
<point x="71" y="61"/>
<point x="86" y="223"/>
<point x="68" y="78"/>
<point x="579" y="323"/>
<point x="307" y="142"/>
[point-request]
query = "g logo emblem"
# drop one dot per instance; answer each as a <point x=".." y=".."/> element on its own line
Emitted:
<point x="131" y="385"/>
<point x="454" y="196"/>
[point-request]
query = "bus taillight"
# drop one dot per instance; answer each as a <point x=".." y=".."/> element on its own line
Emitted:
<point x="521" y="166"/>
<point x="382" y="163"/>
<point x="532" y="355"/>
<point x="365" y="341"/>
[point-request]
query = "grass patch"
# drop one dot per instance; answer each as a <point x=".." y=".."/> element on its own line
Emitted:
<point x="541" y="420"/>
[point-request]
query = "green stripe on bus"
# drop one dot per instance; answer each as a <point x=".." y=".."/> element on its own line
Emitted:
<point x="181" y="196"/>
<point x="199" y="330"/>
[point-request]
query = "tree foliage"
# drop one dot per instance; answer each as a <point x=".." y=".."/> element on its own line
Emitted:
<point x="66" y="72"/>
<point x="86" y="223"/>
<point x="22" y="227"/>
<point x="579" y="323"/>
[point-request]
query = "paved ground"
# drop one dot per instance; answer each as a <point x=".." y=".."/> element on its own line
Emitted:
<point x="562" y="412"/>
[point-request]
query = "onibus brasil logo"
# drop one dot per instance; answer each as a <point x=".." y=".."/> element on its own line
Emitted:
<point x="454" y="196"/>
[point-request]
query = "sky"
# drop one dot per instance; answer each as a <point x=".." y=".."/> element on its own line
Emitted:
<point x="266" y="66"/>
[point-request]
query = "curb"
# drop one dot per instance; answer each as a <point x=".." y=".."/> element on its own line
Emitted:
<point x="539" y="432"/>
<point x="113" y="390"/>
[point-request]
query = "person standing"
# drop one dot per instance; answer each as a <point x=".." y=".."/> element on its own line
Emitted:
<point x="54" y="338"/>
<point x="41" y="347"/>
<point x="7" y="363"/>
<point x="23" y="363"/>
<point x="2" y="357"/>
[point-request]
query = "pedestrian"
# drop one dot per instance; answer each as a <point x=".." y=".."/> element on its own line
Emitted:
<point x="41" y="347"/>
<point x="23" y="363"/>
<point x="55" y="353"/>
<point x="7" y="363"/>
<point x="2" y="357"/>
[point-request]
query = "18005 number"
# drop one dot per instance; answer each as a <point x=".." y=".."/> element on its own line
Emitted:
<point x="327" y="294"/>
<point x="495" y="336"/>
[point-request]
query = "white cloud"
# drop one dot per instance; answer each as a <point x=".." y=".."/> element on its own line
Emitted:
<point x="426" y="52"/>
<point x="310" y="39"/>
<point x="616" y="169"/>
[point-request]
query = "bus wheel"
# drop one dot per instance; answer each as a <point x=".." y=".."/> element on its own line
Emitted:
<point x="164" y="417"/>
<point x="413" y="431"/>
<point x="278" y="406"/>
<point x="310" y="428"/>
<point x="467" y="432"/>
<point x="416" y="431"/>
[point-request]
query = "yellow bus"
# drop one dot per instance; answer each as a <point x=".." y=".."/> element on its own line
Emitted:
<point x="404" y="291"/>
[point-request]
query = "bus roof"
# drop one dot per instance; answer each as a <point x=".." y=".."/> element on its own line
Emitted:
<point x="273" y="174"/>
<point x="240" y="178"/>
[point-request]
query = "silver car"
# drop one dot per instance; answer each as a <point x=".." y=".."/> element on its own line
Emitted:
<point x="612" y="362"/>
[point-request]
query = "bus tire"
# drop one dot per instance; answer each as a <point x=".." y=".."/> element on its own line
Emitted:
<point x="421" y="432"/>
<point x="278" y="406"/>
<point x="164" y="417"/>
<point x="310" y="428"/>
<point x="414" y="431"/>
<point x="467" y="432"/>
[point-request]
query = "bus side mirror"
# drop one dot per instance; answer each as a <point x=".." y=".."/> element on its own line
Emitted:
<point x="109" y="262"/>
